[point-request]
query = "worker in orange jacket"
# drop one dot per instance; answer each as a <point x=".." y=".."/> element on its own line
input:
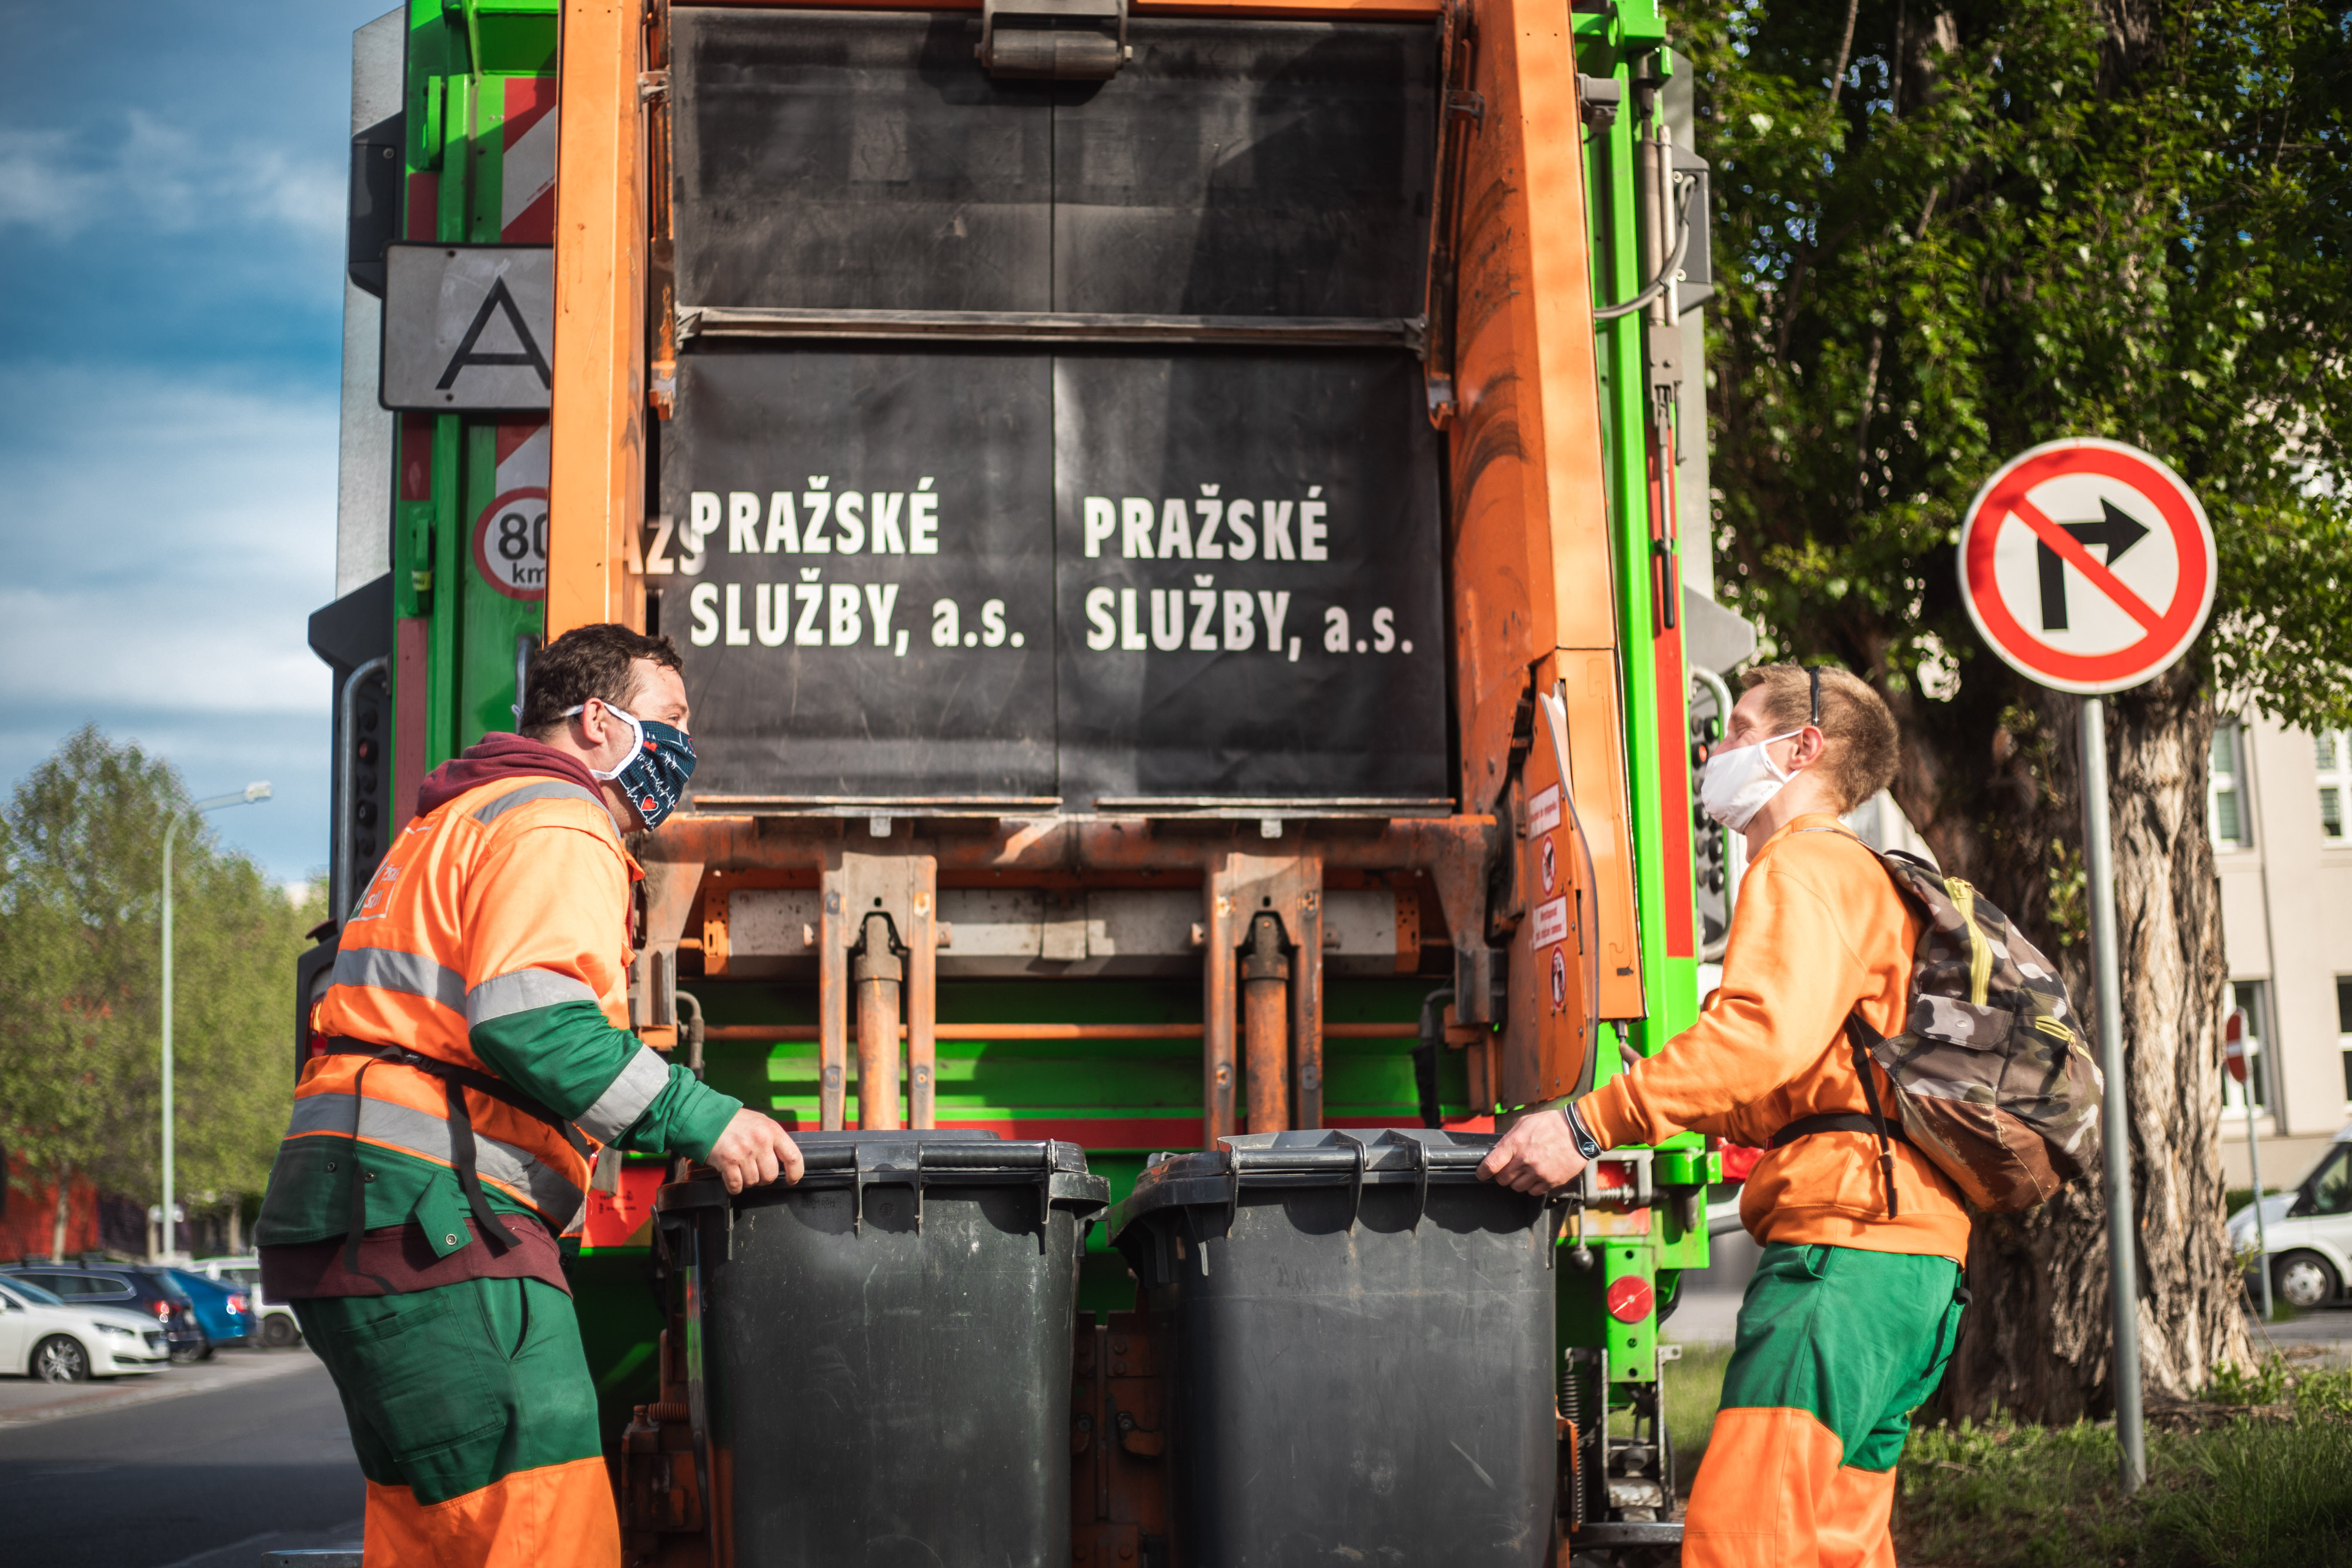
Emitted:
<point x="1856" y="1305"/>
<point x="471" y="1059"/>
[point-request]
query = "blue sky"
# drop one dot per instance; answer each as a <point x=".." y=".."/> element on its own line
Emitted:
<point x="171" y="245"/>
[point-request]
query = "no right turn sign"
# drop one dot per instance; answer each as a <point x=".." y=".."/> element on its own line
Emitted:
<point x="2087" y="565"/>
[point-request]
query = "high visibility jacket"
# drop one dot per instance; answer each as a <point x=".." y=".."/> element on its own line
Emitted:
<point x="1818" y="931"/>
<point x="494" y="938"/>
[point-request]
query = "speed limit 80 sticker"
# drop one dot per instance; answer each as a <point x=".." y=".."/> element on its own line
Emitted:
<point x="510" y="544"/>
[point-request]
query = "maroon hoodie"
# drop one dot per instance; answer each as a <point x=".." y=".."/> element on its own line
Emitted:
<point x="501" y="756"/>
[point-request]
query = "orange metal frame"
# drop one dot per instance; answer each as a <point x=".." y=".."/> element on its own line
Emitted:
<point x="597" y="483"/>
<point x="1529" y="547"/>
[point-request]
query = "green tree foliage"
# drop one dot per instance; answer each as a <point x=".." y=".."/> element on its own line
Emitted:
<point x="81" y="859"/>
<point x="1956" y="232"/>
<point x="1953" y="229"/>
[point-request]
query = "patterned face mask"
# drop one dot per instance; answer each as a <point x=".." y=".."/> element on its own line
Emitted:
<point x="657" y="767"/>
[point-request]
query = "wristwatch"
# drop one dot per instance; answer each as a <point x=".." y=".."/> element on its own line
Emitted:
<point x="1587" y="1145"/>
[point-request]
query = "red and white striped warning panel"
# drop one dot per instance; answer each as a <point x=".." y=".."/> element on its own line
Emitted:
<point x="527" y="169"/>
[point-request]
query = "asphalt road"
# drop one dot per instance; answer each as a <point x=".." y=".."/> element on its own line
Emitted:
<point x="212" y="1478"/>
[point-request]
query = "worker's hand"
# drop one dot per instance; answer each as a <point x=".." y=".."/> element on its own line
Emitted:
<point x="1538" y="1155"/>
<point x="753" y="1151"/>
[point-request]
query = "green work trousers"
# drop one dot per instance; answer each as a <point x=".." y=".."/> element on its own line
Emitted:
<point x="452" y="1389"/>
<point x="1836" y="1347"/>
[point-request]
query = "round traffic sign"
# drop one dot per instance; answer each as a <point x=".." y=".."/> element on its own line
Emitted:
<point x="510" y="544"/>
<point x="2236" y="1048"/>
<point x="2086" y="565"/>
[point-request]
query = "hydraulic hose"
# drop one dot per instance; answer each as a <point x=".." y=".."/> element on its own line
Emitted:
<point x="1673" y="263"/>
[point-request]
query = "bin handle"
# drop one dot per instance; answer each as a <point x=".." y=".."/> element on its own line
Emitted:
<point x="1420" y="1182"/>
<point x="1046" y="1201"/>
<point x="1355" y="1177"/>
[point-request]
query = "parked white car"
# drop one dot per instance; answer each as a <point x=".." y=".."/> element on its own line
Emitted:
<point x="278" y="1328"/>
<point x="44" y="1337"/>
<point x="2309" y="1228"/>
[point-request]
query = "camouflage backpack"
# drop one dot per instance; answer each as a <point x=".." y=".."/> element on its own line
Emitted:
<point x="1992" y="1082"/>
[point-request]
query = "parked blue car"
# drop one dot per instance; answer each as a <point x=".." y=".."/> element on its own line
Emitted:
<point x="222" y="1311"/>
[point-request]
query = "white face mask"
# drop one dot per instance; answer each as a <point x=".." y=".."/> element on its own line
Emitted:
<point x="1737" y="782"/>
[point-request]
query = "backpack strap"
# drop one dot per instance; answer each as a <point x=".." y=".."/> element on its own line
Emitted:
<point x="1832" y="1122"/>
<point x="1863" y="1038"/>
<point x="1855" y="1121"/>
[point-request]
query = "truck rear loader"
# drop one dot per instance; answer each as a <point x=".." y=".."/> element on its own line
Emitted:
<point x="1187" y="527"/>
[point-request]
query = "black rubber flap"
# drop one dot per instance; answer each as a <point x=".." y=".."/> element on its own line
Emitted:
<point x="872" y="610"/>
<point x="864" y="161"/>
<point x="992" y="575"/>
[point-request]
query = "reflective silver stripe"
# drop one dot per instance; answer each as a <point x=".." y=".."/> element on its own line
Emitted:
<point x="426" y="1134"/>
<point x="410" y="973"/>
<point x="544" y="789"/>
<point x="521" y="990"/>
<point x="617" y="1109"/>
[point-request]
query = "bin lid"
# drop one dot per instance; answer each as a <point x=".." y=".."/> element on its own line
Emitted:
<point x="922" y="1160"/>
<point x="1419" y="1157"/>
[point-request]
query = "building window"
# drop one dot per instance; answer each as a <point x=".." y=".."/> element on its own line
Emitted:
<point x="2344" y="1026"/>
<point x="2225" y="792"/>
<point x="2333" y="748"/>
<point x="2246" y="996"/>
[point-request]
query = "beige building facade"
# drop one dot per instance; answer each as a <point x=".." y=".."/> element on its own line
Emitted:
<point x="2280" y="810"/>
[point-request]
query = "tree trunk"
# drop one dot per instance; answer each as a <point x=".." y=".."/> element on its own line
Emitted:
<point x="64" y="1195"/>
<point x="2038" y="1339"/>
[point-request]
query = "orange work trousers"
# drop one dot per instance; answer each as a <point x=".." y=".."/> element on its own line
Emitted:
<point x="1837" y="1346"/>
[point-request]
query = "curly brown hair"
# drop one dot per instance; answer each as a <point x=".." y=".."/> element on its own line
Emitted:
<point x="587" y="662"/>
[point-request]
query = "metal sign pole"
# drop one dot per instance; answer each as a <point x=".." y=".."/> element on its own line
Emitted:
<point x="2254" y="1160"/>
<point x="2122" y="1257"/>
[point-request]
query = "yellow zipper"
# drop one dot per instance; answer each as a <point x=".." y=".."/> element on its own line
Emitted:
<point x="1964" y="899"/>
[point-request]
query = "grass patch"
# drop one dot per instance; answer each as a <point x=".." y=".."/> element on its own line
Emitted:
<point x="2259" y="1475"/>
<point x="1694" y="1389"/>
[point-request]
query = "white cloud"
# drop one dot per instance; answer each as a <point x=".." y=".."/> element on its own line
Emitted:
<point x="160" y="645"/>
<point x="151" y="173"/>
<point x="38" y="190"/>
<point x="167" y="540"/>
<point x="133" y="474"/>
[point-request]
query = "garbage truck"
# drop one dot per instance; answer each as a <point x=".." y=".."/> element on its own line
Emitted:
<point x="1186" y="523"/>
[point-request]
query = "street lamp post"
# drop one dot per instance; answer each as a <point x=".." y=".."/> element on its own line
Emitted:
<point x="250" y="794"/>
